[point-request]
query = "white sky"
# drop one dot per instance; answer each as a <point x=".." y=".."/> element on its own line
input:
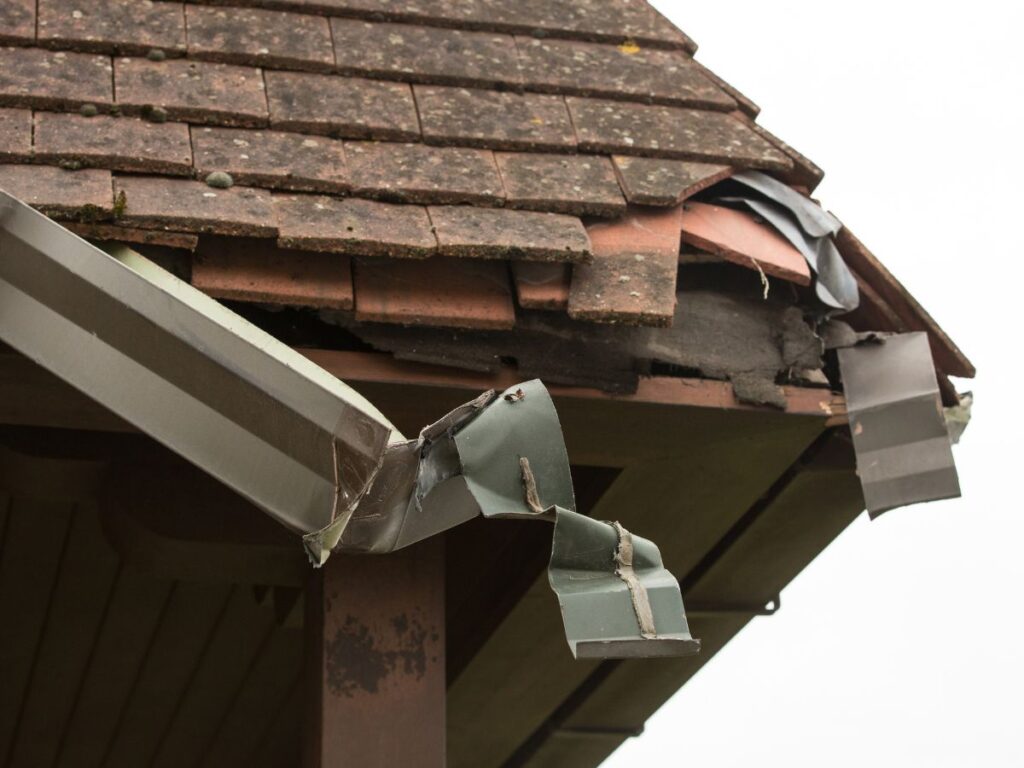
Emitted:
<point x="901" y="645"/>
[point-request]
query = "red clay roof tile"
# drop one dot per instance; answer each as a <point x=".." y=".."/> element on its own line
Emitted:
<point x="498" y="120"/>
<point x="632" y="279"/>
<point x="259" y="37"/>
<point x="60" y="193"/>
<point x="32" y="77"/>
<point x="542" y="284"/>
<point x="425" y="54"/>
<point x="496" y="233"/>
<point x="660" y="182"/>
<point x="417" y="173"/>
<point x="341" y="107"/>
<point x="357" y="226"/>
<point x="584" y="185"/>
<point x="438" y="291"/>
<point x="256" y="270"/>
<point x="17" y="21"/>
<point x="116" y="143"/>
<point x="190" y="206"/>
<point x="114" y="233"/>
<point x="196" y="91"/>
<point x="15" y="134"/>
<point x="618" y="72"/>
<point x="673" y="132"/>
<point x="739" y="237"/>
<point x="271" y="158"/>
<point x="112" y="26"/>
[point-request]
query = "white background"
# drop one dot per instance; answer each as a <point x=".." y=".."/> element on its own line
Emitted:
<point x="901" y="645"/>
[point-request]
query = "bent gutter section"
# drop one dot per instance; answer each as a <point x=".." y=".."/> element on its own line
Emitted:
<point x="308" y="450"/>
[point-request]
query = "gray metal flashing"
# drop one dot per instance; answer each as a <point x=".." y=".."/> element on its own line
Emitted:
<point x="904" y="453"/>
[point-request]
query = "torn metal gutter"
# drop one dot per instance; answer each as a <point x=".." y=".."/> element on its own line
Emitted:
<point x="308" y="450"/>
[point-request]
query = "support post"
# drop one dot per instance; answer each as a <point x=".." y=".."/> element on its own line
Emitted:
<point x="375" y="660"/>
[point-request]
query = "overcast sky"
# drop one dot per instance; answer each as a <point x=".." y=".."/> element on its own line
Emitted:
<point x="902" y="644"/>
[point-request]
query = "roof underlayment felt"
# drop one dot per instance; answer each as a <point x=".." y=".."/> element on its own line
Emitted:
<point x="477" y="184"/>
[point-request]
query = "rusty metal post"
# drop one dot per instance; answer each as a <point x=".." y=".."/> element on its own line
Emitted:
<point x="375" y="664"/>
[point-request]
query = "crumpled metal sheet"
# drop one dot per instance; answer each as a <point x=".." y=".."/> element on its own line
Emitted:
<point x="903" y="449"/>
<point x="503" y="456"/>
<point x="808" y="228"/>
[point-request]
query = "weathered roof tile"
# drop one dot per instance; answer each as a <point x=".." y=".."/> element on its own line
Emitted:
<point x="618" y="72"/>
<point x="112" y="26"/>
<point x="115" y="233"/>
<point x="259" y="37"/>
<point x="437" y="291"/>
<point x="32" y="77"/>
<point x="342" y="107"/>
<point x="738" y="237"/>
<point x="661" y="182"/>
<point x="584" y="185"/>
<point x="196" y="91"/>
<point x="191" y="206"/>
<point x="632" y="278"/>
<point x="658" y="131"/>
<point x="271" y="158"/>
<point x="542" y="284"/>
<point x="425" y="54"/>
<point x="493" y="119"/>
<point x="116" y="143"/>
<point x="17" y="21"/>
<point x="417" y="173"/>
<point x="243" y="269"/>
<point x="497" y="233"/>
<point x="84" y="194"/>
<point x="351" y="225"/>
<point x="15" y="134"/>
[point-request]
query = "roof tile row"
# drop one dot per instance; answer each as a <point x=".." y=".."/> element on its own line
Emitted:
<point x="307" y="222"/>
<point x="224" y="94"/>
<point x="425" y="54"/>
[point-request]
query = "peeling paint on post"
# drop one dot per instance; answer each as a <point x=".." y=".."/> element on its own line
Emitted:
<point x="376" y="660"/>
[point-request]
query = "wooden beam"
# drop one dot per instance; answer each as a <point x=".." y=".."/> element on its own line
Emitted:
<point x="375" y="660"/>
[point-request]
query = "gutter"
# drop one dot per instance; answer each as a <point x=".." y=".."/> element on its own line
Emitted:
<point x="308" y="450"/>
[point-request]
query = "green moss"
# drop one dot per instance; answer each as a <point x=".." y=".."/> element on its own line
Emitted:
<point x="120" y="204"/>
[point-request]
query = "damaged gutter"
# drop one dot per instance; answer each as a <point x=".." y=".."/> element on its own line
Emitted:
<point x="308" y="450"/>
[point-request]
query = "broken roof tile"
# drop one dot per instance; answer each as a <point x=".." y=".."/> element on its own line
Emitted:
<point x="447" y="292"/>
<point x="17" y="21"/>
<point x="114" y="233"/>
<point x="112" y="26"/>
<point x="32" y="77"/>
<point x="197" y="91"/>
<point x="498" y="233"/>
<point x="804" y="172"/>
<point x="351" y="225"/>
<point x="243" y="269"/>
<point x="259" y="37"/>
<point x="632" y="279"/>
<point x="15" y="134"/>
<point x="741" y="238"/>
<point x="342" y="107"/>
<point x="584" y="185"/>
<point x="191" y="206"/>
<point x="499" y="120"/>
<point x="116" y="143"/>
<point x="658" y="131"/>
<point x="417" y="173"/>
<point x="271" y="158"/>
<point x="84" y="194"/>
<point x="542" y="284"/>
<point x="618" y="72"/>
<point x="425" y="54"/>
<point x="661" y="182"/>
